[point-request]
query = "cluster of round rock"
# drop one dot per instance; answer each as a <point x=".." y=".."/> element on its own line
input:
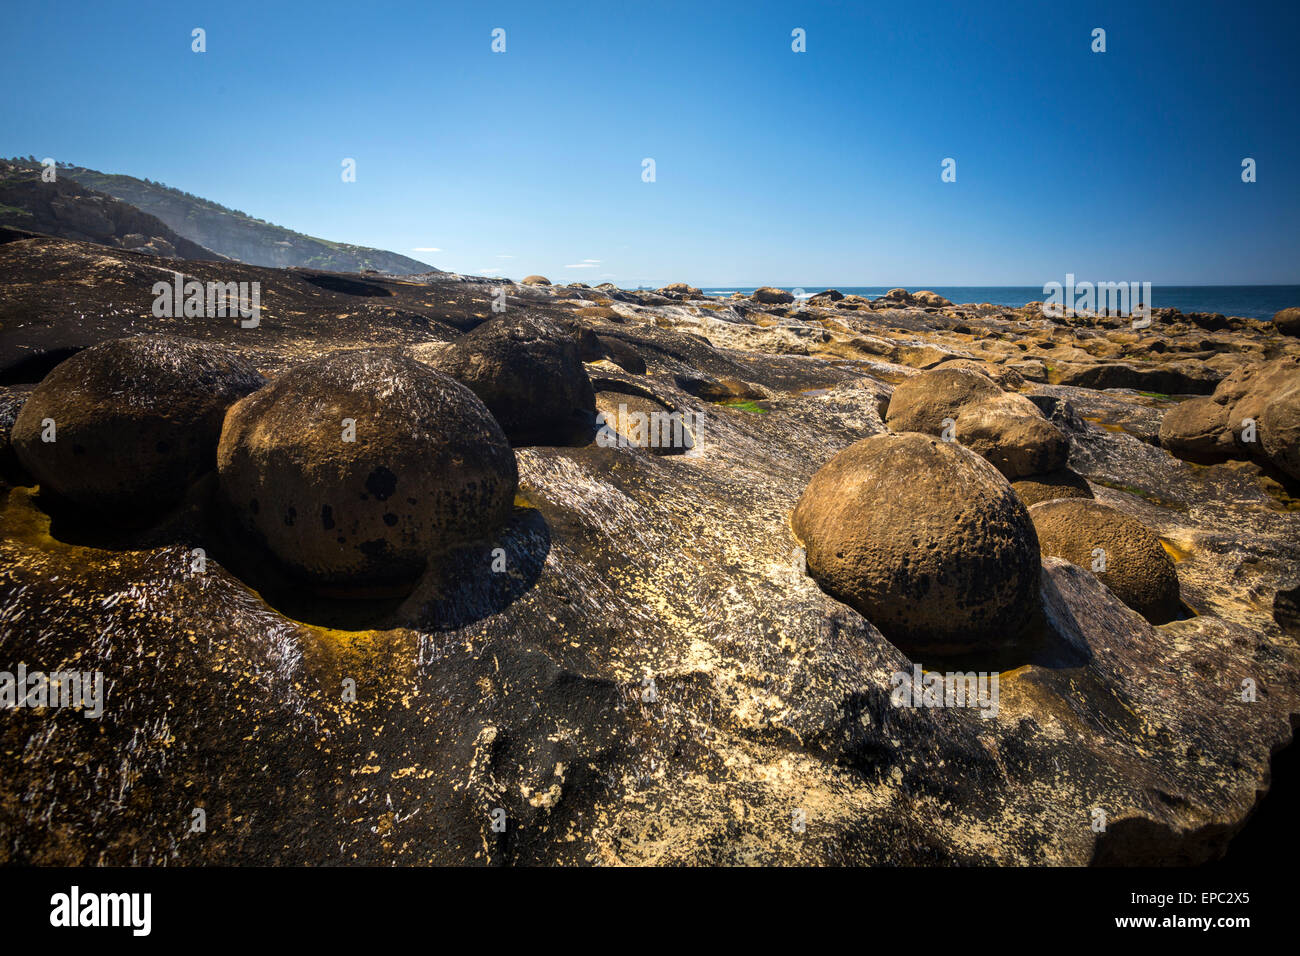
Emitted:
<point x="934" y="530"/>
<point x="356" y="467"/>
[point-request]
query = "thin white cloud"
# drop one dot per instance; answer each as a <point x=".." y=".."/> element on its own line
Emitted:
<point x="505" y="257"/>
<point x="425" y="249"/>
<point x="584" y="264"/>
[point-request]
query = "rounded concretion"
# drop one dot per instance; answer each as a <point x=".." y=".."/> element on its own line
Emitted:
<point x="360" y="467"/>
<point x="926" y="539"/>
<point x="529" y="374"/>
<point x="134" y="421"/>
<point x="1005" y="428"/>
<point x="1137" y="568"/>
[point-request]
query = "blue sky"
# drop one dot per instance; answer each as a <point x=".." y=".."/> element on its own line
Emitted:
<point x="772" y="167"/>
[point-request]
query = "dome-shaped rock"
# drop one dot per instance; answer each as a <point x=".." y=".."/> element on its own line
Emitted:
<point x="1005" y="428"/>
<point x="529" y="374"/>
<point x="1136" y="566"/>
<point x="360" y="467"/>
<point x="925" y="538"/>
<point x="135" y="421"/>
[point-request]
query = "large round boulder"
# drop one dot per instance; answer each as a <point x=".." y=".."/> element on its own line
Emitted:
<point x="926" y="539"/>
<point x="1128" y="558"/>
<point x="134" y="422"/>
<point x="529" y="374"/>
<point x="1005" y="428"/>
<point x="536" y="280"/>
<point x="362" y="467"/>
<point x="1287" y="321"/>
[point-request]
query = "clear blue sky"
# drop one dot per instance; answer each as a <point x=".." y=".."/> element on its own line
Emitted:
<point x="773" y="167"/>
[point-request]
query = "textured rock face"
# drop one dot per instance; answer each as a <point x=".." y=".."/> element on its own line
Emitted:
<point x="1134" y="564"/>
<point x="1004" y="428"/>
<point x="135" y="421"/>
<point x="925" y="539"/>
<point x="536" y="280"/>
<point x="363" y="467"/>
<point x="530" y="376"/>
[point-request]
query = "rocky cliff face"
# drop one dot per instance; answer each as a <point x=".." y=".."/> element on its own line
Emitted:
<point x="653" y="674"/>
<point x="239" y="236"/>
<point x="69" y="210"/>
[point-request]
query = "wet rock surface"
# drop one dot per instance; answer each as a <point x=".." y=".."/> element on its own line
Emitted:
<point x="652" y="676"/>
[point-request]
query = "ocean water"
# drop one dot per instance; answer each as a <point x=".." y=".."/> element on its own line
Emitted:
<point x="1248" y="301"/>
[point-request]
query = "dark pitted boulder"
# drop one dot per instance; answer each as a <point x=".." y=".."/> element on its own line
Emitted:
<point x="770" y="296"/>
<point x="1137" y="568"/>
<point x="535" y="280"/>
<point x="429" y="468"/>
<point x="136" y="422"/>
<point x="1287" y="321"/>
<point x="1005" y="428"/>
<point x="923" y="537"/>
<point x="529" y="374"/>
<point x="1062" y="483"/>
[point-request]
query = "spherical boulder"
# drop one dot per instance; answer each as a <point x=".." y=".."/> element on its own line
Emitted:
<point x="529" y="374"/>
<point x="134" y="422"/>
<point x="1128" y="558"/>
<point x="1287" y="321"/>
<point x="921" y="402"/>
<point x="536" y="280"/>
<point x="362" y="467"/>
<point x="926" y="539"/>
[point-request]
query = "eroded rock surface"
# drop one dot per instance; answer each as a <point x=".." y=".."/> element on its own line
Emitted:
<point x="652" y="676"/>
